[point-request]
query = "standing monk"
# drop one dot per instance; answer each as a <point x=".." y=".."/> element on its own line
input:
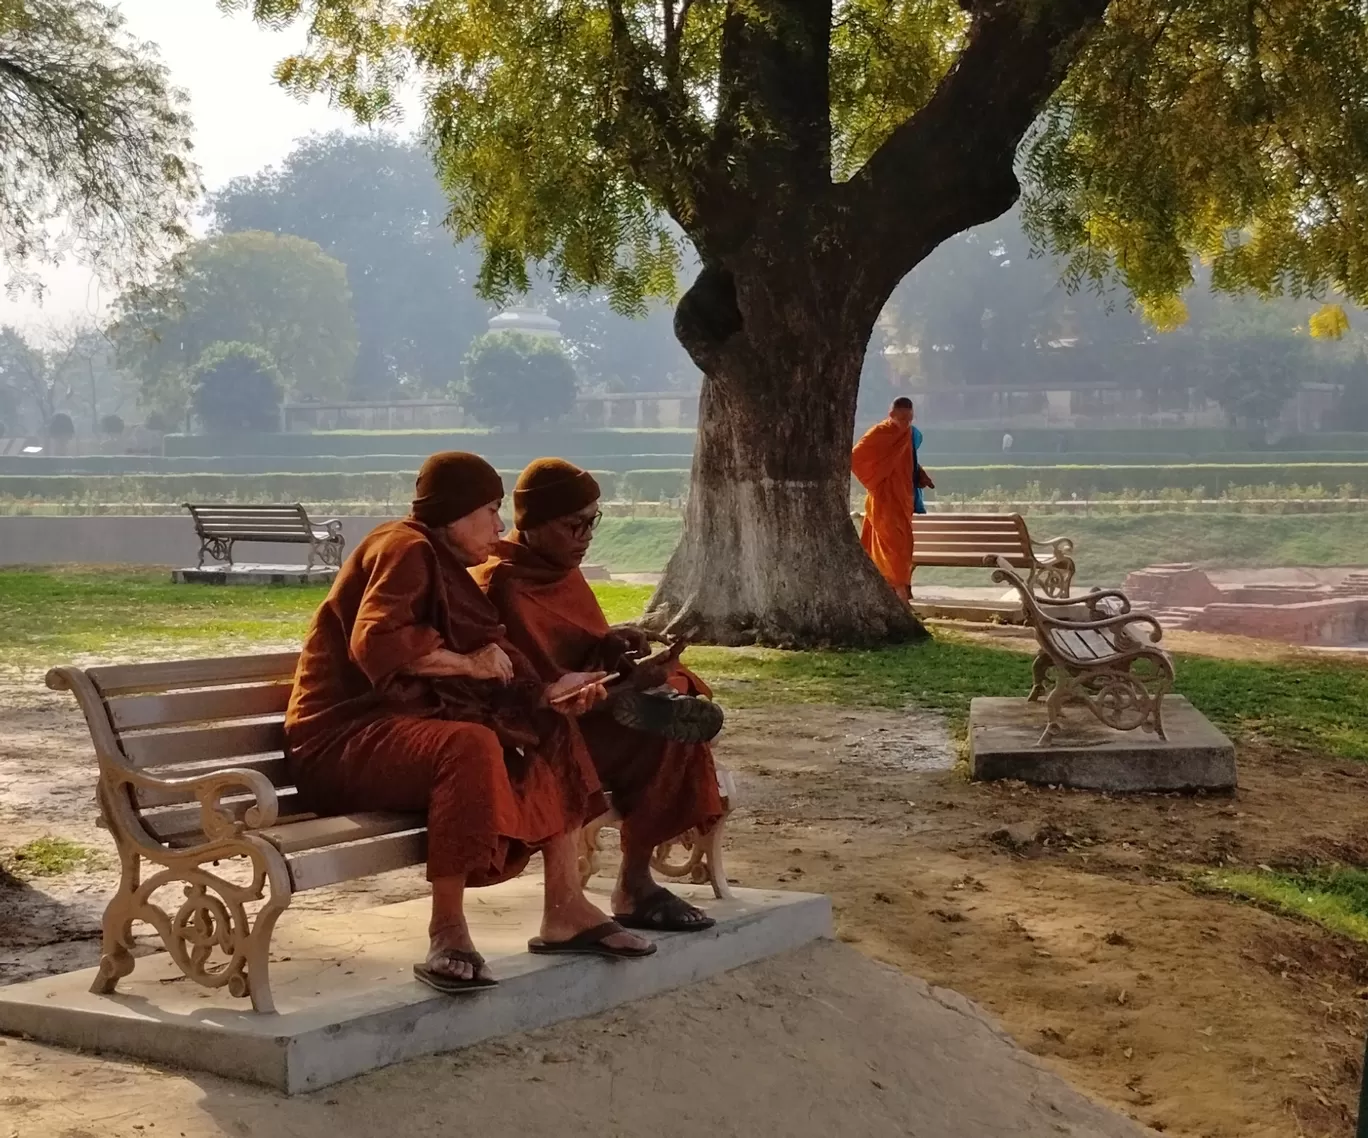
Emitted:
<point x="885" y="463"/>
<point x="662" y="786"/>
<point x="408" y="696"/>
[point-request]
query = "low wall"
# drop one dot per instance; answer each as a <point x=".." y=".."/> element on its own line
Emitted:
<point x="137" y="540"/>
<point x="1343" y="620"/>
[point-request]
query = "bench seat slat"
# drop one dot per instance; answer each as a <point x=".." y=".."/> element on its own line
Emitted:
<point x="315" y="868"/>
<point x="199" y="743"/>
<point x="338" y="829"/>
<point x="172" y="675"/>
<point x="173" y="709"/>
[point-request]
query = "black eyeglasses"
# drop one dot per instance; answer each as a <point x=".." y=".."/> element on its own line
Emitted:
<point x="583" y="527"/>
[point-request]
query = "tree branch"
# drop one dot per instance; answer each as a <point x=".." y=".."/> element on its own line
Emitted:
<point x="653" y="128"/>
<point x="950" y="166"/>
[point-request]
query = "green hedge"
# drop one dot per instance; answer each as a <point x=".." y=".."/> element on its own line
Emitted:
<point x="943" y="444"/>
<point x="1034" y="483"/>
<point x="395" y="489"/>
<point x="1043" y="482"/>
<point x="293" y="464"/>
<point x="503" y="448"/>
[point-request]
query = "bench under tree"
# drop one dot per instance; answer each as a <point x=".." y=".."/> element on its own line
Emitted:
<point x="1109" y="661"/>
<point x="220" y="527"/>
<point x="192" y="773"/>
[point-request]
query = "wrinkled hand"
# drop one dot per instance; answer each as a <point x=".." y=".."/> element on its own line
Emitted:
<point x="490" y="663"/>
<point x="587" y="686"/>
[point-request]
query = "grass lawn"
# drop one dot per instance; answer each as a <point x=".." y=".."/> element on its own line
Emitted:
<point x="1109" y="547"/>
<point x="1333" y="896"/>
<point x="51" y="617"/>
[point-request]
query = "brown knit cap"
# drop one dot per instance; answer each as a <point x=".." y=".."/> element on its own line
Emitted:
<point x="551" y="488"/>
<point x="452" y="484"/>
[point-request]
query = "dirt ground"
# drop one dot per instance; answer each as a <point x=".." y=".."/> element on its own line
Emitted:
<point x="1067" y="915"/>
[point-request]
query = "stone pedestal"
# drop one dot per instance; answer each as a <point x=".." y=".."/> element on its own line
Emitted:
<point x="1087" y="755"/>
<point x="349" y="1003"/>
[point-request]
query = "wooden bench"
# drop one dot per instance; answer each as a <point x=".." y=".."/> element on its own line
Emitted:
<point x="192" y="773"/>
<point x="1109" y="660"/>
<point x="219" y="527"/>
<point x="965" y="540"/>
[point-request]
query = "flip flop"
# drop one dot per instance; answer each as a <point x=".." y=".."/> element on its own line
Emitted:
<point x="450" y="985"/>
<point x="589" y="943"/>
<point x="664" y="912"/>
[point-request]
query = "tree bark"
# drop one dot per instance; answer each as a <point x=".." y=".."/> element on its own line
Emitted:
<point x="769" y="555"/>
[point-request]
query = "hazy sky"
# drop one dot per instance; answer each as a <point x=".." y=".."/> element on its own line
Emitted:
<point x="242" y="120"/>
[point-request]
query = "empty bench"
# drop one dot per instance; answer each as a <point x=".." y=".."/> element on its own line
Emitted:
<point x="192" y="773"/>
<point x="965" y="540"/>
<point x="1108" y="660"/>
<point x="220" y="527"/>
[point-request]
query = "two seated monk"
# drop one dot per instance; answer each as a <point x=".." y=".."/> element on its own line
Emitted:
<point x="409" y="697"/>
<point x="662" y="779"/>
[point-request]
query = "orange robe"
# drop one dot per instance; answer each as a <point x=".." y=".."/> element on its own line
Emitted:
<point x="882" y="462"/>
<point x="498" y="775"/>
<point x="661" y="788"/>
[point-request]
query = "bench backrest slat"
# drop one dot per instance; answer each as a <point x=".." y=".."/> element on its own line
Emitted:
<point x="175" y="709"/>
<point x="201" y="743"/>
<point x="124" y="679"/>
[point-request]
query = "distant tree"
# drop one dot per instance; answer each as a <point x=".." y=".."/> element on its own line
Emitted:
<point x="282" y="294"/>
<point x="26" y="374"/>
<point x="60" y="428"/>
<point x="516" y="379"/>
<point x="373" y="202"/>
<point x="111" y="425"/>
<point x="157" y="421"/>
<point x="1351" y="413"/>
<point x="94" y="143"/>
<point x="236" y="387"/>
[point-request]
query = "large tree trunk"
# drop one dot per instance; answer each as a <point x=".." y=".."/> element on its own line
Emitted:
<point x="769" y="555"/>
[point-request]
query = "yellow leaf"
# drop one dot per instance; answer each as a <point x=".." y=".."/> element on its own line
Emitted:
<point x="1330" y="323"/>
<point x="1166" y="313"/>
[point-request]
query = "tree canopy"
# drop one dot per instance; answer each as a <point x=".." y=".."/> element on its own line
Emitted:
<point x="563" y="133"/>
<point x="373" y="203"/>
<point x="282" y="294"/>
<point x="94" y="143"/>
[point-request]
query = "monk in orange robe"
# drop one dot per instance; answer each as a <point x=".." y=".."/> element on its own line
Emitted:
<point x="408" y="696"/>
<point x="884" y="463"/>
<point x="661" y="785"/>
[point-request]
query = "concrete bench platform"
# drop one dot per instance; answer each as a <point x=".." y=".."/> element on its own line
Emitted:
<point x="348" y="1003"/>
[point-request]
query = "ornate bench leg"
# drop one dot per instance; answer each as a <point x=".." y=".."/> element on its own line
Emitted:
<point x="591" y="846"/>
<point x="116" y="959"/>
<point x="1054" y="706"/>
<point x="1040" y="669"/>
<point x="712" y="858"/>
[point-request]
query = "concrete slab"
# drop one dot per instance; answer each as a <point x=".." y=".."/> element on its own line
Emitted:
<point x="348" y="1002"/>
<point x="254" y="574"/>
<point x="1087" y="755"/>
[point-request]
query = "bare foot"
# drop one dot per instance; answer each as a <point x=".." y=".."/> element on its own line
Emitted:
<point x="449" y="939"/>
<point x="581" y="916"/>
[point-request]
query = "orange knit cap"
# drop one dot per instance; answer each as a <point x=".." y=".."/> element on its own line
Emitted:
<point x="551" y="488"/>
<point x="452" y="484"/>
